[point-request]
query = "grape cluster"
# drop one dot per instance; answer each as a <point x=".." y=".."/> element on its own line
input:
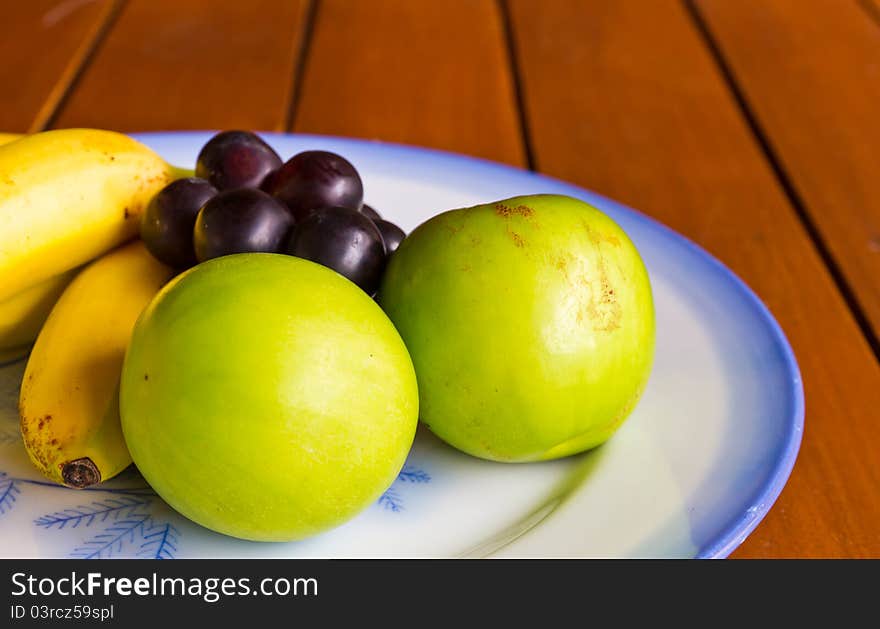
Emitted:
<point x="245" y="199"/>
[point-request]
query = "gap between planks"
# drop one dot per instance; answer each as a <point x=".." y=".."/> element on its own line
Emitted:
<point x="872" y="8"/>
<point x="79" y="62"/>
<point x="306" y="31"/>
<point x="783" y="178"/>
<point x="516" y="78"/>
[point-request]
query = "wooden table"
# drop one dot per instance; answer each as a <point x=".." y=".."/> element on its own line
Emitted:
<point x="751" y="126"/>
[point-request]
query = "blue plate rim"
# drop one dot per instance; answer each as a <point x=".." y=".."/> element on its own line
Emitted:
<point x="729" y="538"/>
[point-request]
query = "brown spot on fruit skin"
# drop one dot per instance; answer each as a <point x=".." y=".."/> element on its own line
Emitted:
<point x="125" y="214"/>
<point x="146" y="377"/>
<point x="506" y="211"/>
<point x="598" y="238"/>
<point x="605" y="311"/>
<point x="602" y="310"/>
<point x="561" y="264"/>
<point x="517" y="239"/>
<point x="446" y="222"/>
<point x="33" y="442"/>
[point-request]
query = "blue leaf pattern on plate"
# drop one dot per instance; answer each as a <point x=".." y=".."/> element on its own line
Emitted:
<point x="131" y="530"/>
<point x="160" y="542"/>
<point x="114" y="538"/>
<point x="8" y="490"/>
<point x="413" y="475"/>
<point x="391" y="501"/>
<point x="111" y="508"/>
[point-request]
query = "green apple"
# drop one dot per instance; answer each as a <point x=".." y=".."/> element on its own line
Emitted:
<point x="530" y="323"/>
<point x="267" y="397"/>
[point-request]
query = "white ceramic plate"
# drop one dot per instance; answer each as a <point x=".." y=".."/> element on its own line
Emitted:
<point x="690" y="474"/>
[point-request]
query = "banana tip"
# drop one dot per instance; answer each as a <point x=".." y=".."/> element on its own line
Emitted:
<point x="80" y="473"/>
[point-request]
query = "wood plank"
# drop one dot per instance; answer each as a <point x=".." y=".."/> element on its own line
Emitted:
<point x="429" y="73"/>
<point x="872" y="7"/>
<point x="43" y="47"/>
<point x="625" y="99"/>
<point x="810" y="73"/>
<point x="191" y="64"/>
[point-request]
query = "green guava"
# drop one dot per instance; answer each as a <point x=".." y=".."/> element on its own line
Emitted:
<point x="267" y="397"/>
<point x="530" y="323"/>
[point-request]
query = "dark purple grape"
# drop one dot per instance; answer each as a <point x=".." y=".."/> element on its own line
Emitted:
<point x="236" y="159"/>
<point x="312" y="180"/>
<point x="344" y="240"/>
<point x="269" y="181"/>
<point x="240" y="221"/>
<point x="167" y="223"/>
<point x="392" y="235"/>
<point x="370" y="213"/>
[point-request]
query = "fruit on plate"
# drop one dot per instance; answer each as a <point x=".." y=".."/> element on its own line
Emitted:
<point x="243" y="220"/>
<point x="530" y="323"/>
<point x="392" y="235"/>
<point x="267" y="397"/>
<point x="311" y="207"/>
<point x="344" y="240"/>
<point x="312" y="180"/>
<point x="69" y="394"/>
<point x="370" y="212"/>
<point x="22" y="315"/>
<point x="167" y="223"/>
<point x="66" y="197"/>
<point x="236" y="159"/>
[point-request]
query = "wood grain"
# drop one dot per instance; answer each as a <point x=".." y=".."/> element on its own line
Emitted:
<point x="872" y="7"/>
<point x="812" y="80"/>
<point x="185" y="64"/>
<point x="429" y="73"/>
<point x="625" y="99"/>
<point x="43" y="47"/>
<point x="621" y="97"/>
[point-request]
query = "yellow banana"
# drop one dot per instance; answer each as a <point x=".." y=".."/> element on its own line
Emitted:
<point x="6" y="138"/>
<point x="69" y="402"/>
<point x="22" y="315"/>
<point x="66" y="197"/>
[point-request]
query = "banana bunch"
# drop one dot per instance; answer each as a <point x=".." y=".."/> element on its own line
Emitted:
<point x="69" y="401"/>
<point x="22" y="315"/>
<point x="66" y="197"/>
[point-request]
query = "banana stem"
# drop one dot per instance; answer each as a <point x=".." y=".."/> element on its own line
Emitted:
<point x="80" y="473"/>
